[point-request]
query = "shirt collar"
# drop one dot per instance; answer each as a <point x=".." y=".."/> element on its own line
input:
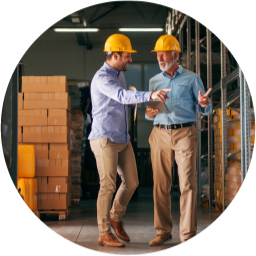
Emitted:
<point x="178" y="72"/>
<point x="111" y="70"/>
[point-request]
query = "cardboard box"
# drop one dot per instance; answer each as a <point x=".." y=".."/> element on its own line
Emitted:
<point x="234" y="170"/>
<point x="235" y="178"/>
<point x="30" y="117"/>
<point x="47" y="100"/>
<point x="237" y="146"/>
<point x="41" y="150"/>
<point x="232" y="184"/>
<point x="233" y="112"/>
<point x="54" y="184"/>
<point x="59" y="117"/>
<point x="229" y="197"/>
<point x="46" y="134"/>
<point x="52" y="167"/>
<point x="53" y="201"/>
<point x="20" y="100"/>
<point x="44" y="84"/>
<point x="20" y="134"/>
<point x="237" y="131"/>
<point x="59" y="146"/>
<point x="59" y="154"/>
<point x="238" y="116"/>
<point x="231" y="191"/>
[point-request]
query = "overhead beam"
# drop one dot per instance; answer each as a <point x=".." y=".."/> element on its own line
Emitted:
<point x="94" y="13"/>
<point x="156" y="12"/>
<point x="116" y="6"/>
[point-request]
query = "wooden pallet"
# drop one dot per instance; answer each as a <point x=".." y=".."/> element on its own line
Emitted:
<point x="36" y="213"/>
<point x="62" y="214"/>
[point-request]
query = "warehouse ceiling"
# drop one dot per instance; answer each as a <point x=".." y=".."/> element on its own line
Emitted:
<point x="111" y="16"/>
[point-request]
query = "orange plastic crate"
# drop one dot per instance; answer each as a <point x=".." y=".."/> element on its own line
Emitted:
<point x="28" y="189"/>
<point x="26" y="161"/>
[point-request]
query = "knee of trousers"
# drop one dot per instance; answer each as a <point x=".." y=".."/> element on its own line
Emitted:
<point x="107" y="189"/>
<point x="132" y="186"/>
<point x="188" y="188"/>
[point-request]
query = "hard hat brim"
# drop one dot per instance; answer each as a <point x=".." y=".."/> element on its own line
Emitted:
<point x="164" y="50"/>
<point x="131" y="51"/>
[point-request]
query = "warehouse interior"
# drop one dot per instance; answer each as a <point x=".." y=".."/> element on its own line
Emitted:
<point x="225" y="138"/>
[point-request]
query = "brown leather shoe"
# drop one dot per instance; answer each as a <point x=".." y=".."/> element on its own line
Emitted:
<point x="109" y="240"/>
<point x="160" y="239"/>
<point x="119" y="230"/>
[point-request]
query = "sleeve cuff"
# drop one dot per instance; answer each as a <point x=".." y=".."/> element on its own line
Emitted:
<point x="206" y="111"/>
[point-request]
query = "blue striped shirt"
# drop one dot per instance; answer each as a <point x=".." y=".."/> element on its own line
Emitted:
<point x="110" y="99"/>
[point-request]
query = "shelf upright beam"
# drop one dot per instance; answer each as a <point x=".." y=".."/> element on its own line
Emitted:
<point x="224" y="117"/>
<point x="198" y="116"/>
<point x="245" y="124"/>
<point x="210" y="130"/>
<point x="188" y="43"/>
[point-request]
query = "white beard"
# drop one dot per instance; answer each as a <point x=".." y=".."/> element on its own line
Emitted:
<point x="167" y="65"/>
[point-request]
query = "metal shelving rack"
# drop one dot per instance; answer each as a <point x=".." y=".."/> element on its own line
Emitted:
<point x="179" y="23"/>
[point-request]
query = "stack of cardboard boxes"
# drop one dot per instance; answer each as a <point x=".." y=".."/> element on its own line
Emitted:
<point x="44" y="120"/>
<point x="232" y="178"/>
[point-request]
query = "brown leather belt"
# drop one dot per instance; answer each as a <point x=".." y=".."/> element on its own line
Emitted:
<point x="174" y="126"/>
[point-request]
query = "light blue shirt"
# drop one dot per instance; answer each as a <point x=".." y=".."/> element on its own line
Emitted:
<point x="110" y="99"/>
<point x="181" y="106"/>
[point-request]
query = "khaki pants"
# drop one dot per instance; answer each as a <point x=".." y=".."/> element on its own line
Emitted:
<point x="181" y="145"/>
<point x="113" y="158"/>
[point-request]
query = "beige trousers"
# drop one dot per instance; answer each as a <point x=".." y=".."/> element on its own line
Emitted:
<point x="113" y="158"/>
<point x="181" y="145"/>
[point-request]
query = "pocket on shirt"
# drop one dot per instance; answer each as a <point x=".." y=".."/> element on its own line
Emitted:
<point x="182" y="92"/>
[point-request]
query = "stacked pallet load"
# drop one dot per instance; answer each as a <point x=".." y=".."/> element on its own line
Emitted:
<point x="27" y="183"/>
<point x="76" y="135"/>
<point x="20" y="109"/>
<point x="231" y="181"/>
<point x="218" y="174"/>
<point x="233" y="176"/>
<point x="45" y="121"/>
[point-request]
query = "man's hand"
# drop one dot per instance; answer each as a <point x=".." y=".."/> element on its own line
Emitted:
<point x="203" y="100"/>
<point x="161" y="95"/>
<point x="151" y="112"/>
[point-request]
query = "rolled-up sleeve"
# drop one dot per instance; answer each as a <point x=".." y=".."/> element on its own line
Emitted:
<point x="198" y="86"/>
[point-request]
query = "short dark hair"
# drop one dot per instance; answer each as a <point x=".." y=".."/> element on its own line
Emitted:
<point x="110" y="54"/>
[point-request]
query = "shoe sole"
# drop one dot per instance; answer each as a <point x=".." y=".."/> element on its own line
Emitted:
<point x="169" y="239"/>
<point x="119" y="236"/>
<point x="102" y="244"/>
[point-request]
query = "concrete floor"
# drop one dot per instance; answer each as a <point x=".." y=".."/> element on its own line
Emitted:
<point x="81" y="227"/>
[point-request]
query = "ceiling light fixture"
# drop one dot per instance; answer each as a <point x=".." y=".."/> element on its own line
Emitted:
<point x="76" y="30"/>
<point x="141" y="29"/>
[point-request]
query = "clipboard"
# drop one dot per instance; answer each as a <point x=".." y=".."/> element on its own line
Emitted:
<point x="156" y="104"/>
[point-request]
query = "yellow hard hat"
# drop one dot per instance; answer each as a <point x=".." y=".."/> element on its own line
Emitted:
<point x="118" y="43"/>
<point x="167" y="43"/>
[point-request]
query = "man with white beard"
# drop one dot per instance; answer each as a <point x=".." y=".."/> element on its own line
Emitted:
<point x="174" y="137"/>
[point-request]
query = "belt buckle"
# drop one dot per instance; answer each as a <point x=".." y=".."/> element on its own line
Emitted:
<point x="167" y="127"/>
<point x="175" y="126"/>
